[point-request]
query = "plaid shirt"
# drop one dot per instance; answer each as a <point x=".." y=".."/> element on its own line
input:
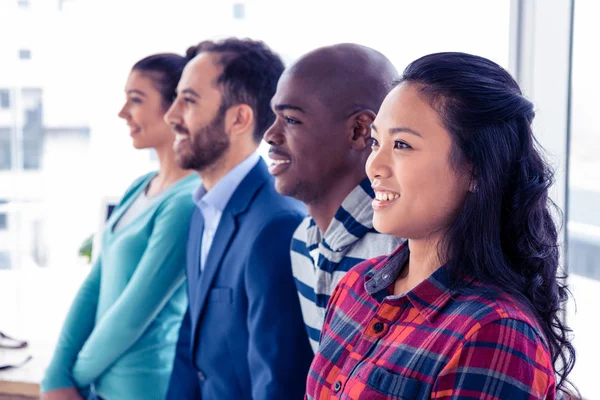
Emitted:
<point x="320" y="261"/>
<point x="431" y="342"/>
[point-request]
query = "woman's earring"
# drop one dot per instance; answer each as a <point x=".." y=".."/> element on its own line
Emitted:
<point x="475" y="188"/>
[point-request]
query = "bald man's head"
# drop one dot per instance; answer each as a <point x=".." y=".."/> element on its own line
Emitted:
<point x="346" y="76"/>
<point x="325" y="103"/>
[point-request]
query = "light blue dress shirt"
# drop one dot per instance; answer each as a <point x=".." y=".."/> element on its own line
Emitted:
<point x="212" y="203"/>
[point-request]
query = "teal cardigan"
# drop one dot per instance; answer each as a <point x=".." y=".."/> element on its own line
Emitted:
<point x="121" y="331"/>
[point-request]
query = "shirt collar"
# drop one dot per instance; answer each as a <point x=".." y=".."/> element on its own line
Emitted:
<point x="352" y="220"/>
<point x="429" y="297"/>
<point x="221" y="193"/>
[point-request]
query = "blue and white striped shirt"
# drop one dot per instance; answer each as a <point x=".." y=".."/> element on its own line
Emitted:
<point x="320" y="261"/>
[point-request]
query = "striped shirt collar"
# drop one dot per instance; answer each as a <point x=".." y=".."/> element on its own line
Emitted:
<point x="352" y="221"/>
<point x="428" y="297"/>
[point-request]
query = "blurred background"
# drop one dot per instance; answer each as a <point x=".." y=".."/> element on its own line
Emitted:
<point x="64" y="154"/>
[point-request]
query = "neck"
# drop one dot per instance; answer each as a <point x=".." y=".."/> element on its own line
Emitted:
<point x="214" y="173"/>
<point x="423" y="261"/>
<point x="323" y="210"/>
<point x="168" y="171"/>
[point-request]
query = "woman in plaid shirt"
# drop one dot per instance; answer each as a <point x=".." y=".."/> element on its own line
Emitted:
<point x="469" y="306"/>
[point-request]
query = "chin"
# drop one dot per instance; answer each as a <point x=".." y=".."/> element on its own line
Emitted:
<point x="183" y="163"/>
<point x="140" y="145"/>
<point x="281" y="187"/>
<point x="383" y="225"/>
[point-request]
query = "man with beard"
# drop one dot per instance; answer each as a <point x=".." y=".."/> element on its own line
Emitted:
<point x="324" y="105"/>
<point x="243" y="336"/>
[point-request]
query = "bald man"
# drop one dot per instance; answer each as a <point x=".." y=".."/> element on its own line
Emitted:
<point x="325" y="104"/>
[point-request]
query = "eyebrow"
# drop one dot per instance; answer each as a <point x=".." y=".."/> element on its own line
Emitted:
<point x="283" y="107"/>
<point x="190" y="92"/>
<point x="135" y="91"/>
<point x="400" y="129"/>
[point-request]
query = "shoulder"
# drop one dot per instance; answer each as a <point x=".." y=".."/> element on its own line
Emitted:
<point x="141" y="179"/>
<point x="268" y="245"/>
<point x="183" y="193"/>
<point x="270" y="239"/>
<point x="489" y="309"/>
<point x="137" y="184"/>
<point x="269" y="209"/>
<point x="496" y="355"/>
<point x="179" y="203"/>
<point x="374" y="244"/>
<point x="515" y="340"/>
<point x="268" y="198"/>
<point x="279" y="226"/>
<point x="506" y="330"/>
<point x="301" y="231"/>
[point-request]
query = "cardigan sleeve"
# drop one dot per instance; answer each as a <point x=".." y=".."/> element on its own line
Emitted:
<point x="76" y="329"/>
<point x="159" y="274"/>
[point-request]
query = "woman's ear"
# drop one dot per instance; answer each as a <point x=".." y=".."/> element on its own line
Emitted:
<point x="473" y="185"/>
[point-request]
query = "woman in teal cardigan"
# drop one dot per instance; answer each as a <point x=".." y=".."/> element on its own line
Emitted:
<point x="118" y="341"/>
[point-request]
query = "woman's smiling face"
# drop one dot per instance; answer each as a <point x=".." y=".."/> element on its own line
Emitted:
<point x="418" y="191"/>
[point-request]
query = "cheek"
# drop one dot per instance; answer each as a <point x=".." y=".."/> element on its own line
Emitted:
<point x="134" y="113"/>
<point x="306" y="155"/>
<point x="368" y="169"/>
<point x="321" y="165"/>
<point x="429" y="196"/>
<point x="143" y="116"/>
<point x="195" y="121"/>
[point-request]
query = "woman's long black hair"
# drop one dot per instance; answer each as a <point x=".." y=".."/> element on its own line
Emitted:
<point x="504" y="234"/>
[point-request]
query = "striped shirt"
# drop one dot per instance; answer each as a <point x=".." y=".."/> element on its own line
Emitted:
<point x="431" y="342"/>
<point x="319" y="262"/>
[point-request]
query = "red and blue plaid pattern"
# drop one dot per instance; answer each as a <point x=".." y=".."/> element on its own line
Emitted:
<point x="431" y="342"/>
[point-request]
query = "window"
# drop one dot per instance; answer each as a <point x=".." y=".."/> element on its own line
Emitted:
<point x="60" y="178"/>
<point x="4" y="98"/>
<point x="25" y="54"/>
<point x="33" y="129"/>
<point x="239" y="10"/>
<point x="5" y="148"/>
<point x="5" y="260"/>
<point x="583" y="228"/>
<point x="61" y="4"/>
<point x="3" y="216"/>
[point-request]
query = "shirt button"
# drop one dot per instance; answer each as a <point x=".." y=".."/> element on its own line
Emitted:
<point x="337" y="387"/>
<point x="378" y="327"/>
<point x="201" y="376"/>
<point x="386" y="276"/>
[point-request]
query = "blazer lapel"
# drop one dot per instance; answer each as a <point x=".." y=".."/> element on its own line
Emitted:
<point x="194" y="246"/>
<point x="228" y="226"/>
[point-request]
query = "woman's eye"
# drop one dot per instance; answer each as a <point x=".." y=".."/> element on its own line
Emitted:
<point x="399" y="144"/>
<point x="374" y="142"/>
<point x="136" y="100"/>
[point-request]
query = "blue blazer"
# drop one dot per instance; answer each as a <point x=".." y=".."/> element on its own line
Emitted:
<point x="243" y="335"/>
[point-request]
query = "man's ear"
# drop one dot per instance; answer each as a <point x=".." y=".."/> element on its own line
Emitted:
<point x="239" y="119"/>
<point x="360" y="129"/>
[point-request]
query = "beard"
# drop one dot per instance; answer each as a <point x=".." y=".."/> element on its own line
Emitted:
<point x="206" y="146"/>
